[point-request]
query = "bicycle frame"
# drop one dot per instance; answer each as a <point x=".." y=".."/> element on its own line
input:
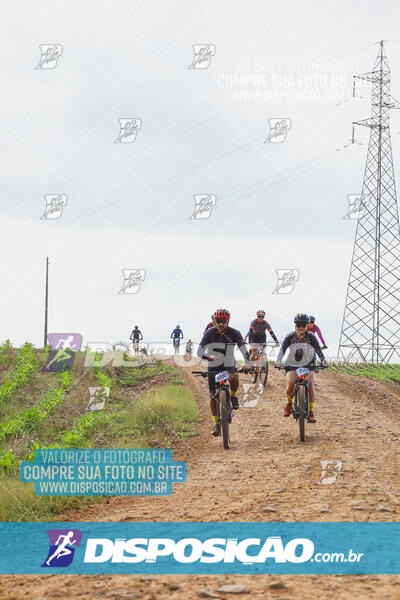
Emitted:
<point x="220" y="385"/>
<point x="260" y="352"/>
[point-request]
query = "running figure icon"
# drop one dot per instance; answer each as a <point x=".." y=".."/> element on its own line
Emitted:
<point x="62" y="549"/>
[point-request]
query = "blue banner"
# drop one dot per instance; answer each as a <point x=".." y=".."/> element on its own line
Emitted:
<point x="99" y="472"/>
<point x="199" y="548"/>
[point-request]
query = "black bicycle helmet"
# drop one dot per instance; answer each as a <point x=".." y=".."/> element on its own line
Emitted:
<point x="311" y="319"/>
<point x="301" y="318"/>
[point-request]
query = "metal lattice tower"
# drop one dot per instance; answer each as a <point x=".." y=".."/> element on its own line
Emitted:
<point x="371" y="320"/>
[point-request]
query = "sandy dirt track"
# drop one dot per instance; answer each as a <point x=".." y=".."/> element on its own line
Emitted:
<point x="262" y="478"/>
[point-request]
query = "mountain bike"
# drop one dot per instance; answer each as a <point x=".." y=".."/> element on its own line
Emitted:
<point x="260" y="370"/>
<point x="300" y="408"/>
<point x="136" y="347"/>
<point x="177" y="343"/>
<point x="224" y="404"/>
<point x="188" y="353"/>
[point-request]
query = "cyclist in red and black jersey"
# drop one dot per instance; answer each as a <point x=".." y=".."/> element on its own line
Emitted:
<point x="258" y="335"/>
<point x="218" y="345"/>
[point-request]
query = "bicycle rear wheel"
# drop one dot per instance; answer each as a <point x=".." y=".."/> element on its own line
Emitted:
<point x="301" y="402"/>
<point x="223" y="399"/>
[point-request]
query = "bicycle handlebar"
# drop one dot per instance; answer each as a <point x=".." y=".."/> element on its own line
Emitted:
<point x="202" y="373"/>
<point x="279" y="367"/>
<point x="205" y="373"/>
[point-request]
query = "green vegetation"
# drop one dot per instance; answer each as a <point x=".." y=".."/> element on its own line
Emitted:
<point x="148" y="406"/>
<point x="18" y="502"/>
<point x="25" y="369"/>
<point x="155" y="420"/>
<point x="135" y="376"/>
<point x="381" y="372"/>
<point x="27" y="418"/>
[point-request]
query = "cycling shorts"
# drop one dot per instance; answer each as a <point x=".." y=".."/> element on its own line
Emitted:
<point x="259" y="339"/>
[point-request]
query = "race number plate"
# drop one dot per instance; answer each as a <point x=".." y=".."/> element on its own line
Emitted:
<point x="222" y="376"/>
<point x="302" y="371"/>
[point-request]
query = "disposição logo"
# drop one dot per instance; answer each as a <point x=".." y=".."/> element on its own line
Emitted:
<point x="61" y="551"/>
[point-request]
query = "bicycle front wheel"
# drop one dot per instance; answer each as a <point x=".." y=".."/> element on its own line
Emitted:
<point x="223" y="399"/>
<point x="301" y="402"/>
<point x="264" y="373"/>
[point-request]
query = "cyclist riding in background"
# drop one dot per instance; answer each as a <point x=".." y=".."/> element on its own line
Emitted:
<point x="300" y="335"/>
<point x="248" y="337"/>
<point x="258" y="336"/>
<point x="218" y="346"/>
<point x="311" y="326"/>
<point x="211" y="324"/>
<point x="176" y="336"/>
<point x="189" y="347"/>
<point x="136" y="336"/>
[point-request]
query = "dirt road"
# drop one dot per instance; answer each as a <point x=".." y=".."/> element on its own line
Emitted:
<point x="262" y="478"/>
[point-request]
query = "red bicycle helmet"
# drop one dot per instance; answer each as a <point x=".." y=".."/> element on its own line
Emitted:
<point x="222" y="313"/>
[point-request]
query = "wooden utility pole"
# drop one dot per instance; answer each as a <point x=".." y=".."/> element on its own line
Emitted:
<point x="46" y="302"/>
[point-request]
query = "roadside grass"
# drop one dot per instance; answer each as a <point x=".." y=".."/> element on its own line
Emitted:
<point x="136" y="375"/>
<point x="8" y="358"/>
<point x="159" y="417"/>
<point x="19" y="503"/>
<point x="156" y="418"/>
<point x="379" y="372"/>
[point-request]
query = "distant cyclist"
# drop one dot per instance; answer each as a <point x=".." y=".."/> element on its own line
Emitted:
<point x="300" y="336"/>
<point x="258" y="336"/>
<point x="177" y="336"/>
<point x="136" y="336"/>
<point x="189" y="348"/>
<point x="311" y="326"/>
<point x="218" y="346"/>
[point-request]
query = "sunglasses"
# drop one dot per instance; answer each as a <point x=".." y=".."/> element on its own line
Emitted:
<point x="301" y="325"/>
<point x="221" y="321"/>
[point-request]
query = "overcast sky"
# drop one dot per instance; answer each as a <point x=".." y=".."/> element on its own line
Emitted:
<point x="203" y="131"/>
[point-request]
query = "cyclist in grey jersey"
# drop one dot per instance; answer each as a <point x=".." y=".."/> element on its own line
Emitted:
<point x="302" y="336"/>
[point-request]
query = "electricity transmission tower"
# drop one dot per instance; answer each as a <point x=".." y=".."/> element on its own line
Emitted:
<point x="371" y="320"/>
